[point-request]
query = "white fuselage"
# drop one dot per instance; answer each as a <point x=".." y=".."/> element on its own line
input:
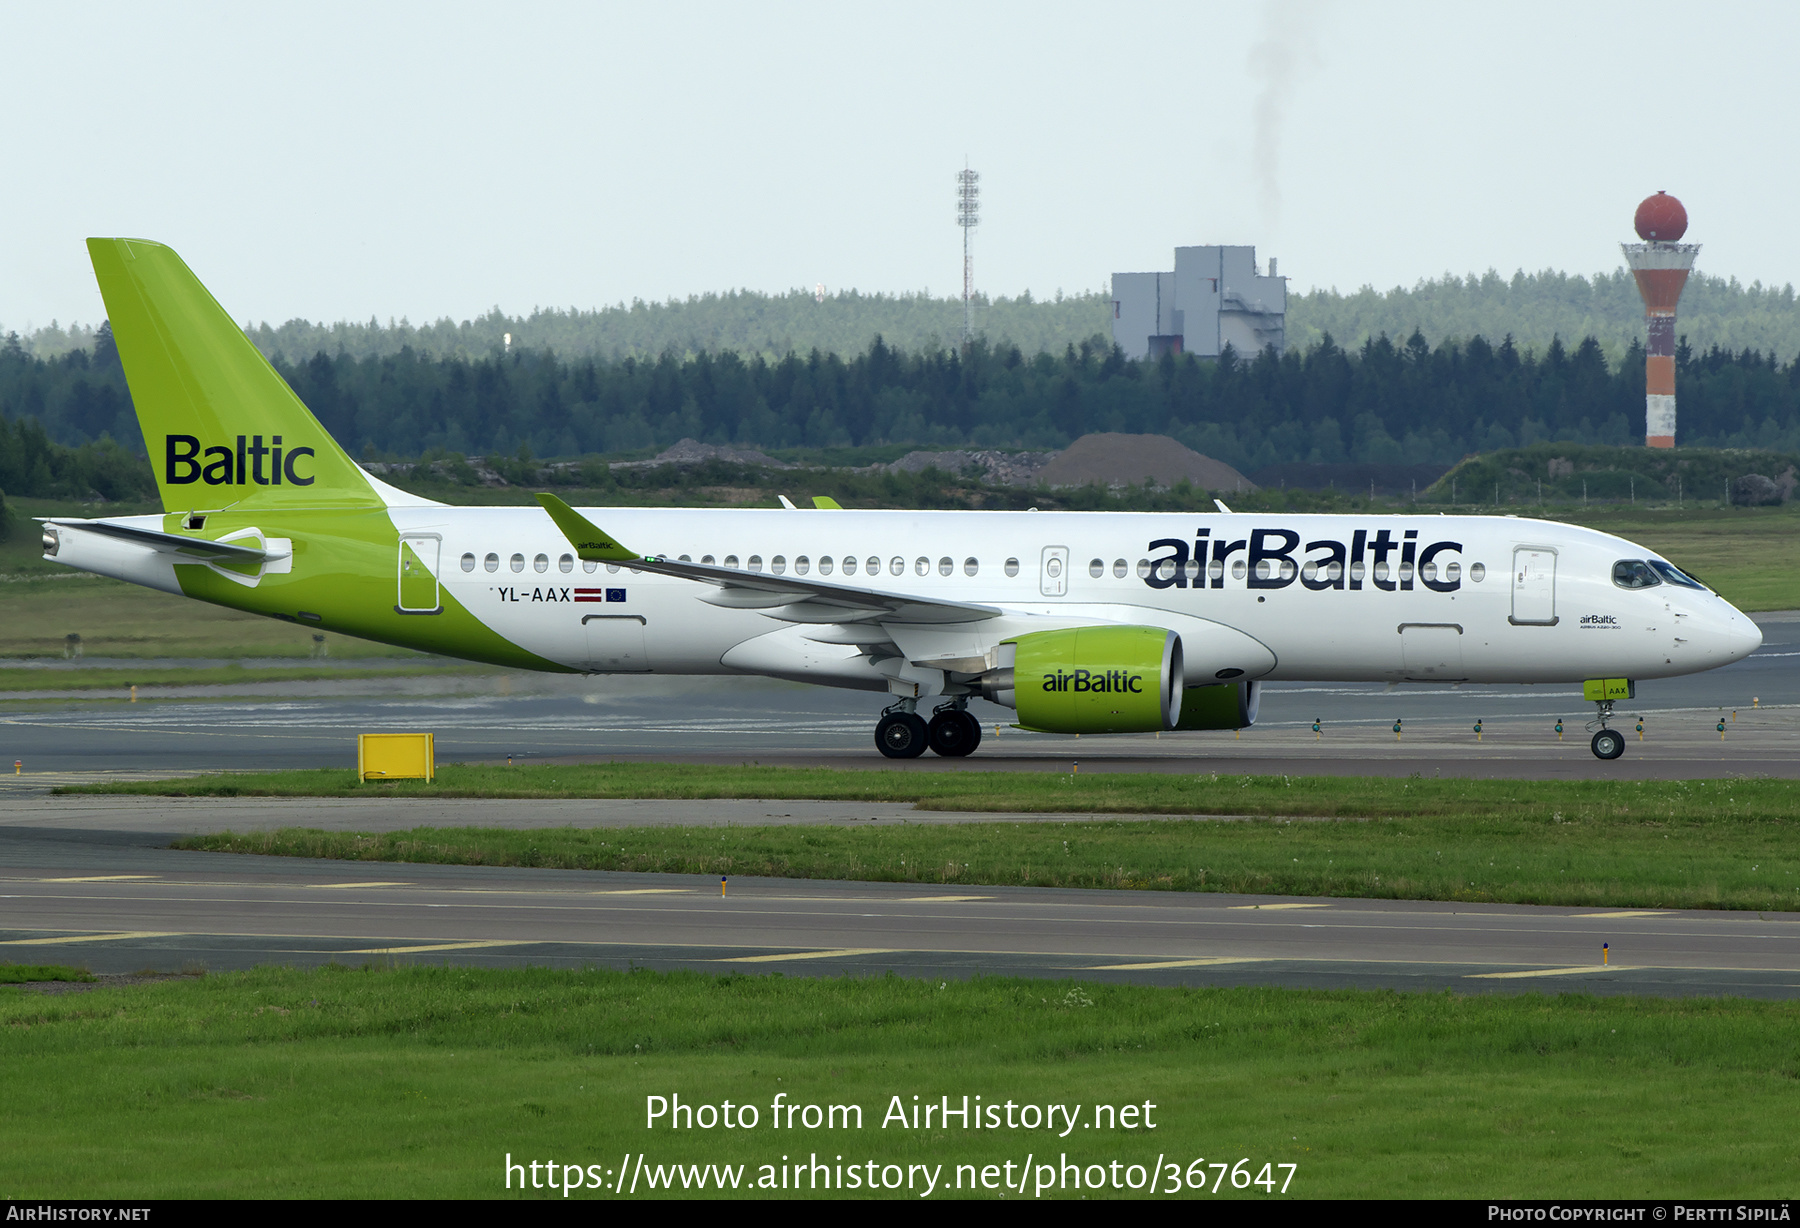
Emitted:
<point x="1262" y="596"/>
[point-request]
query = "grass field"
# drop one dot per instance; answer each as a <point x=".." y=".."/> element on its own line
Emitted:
<point x="1640" y="844"/>
<point x="116" y="682"/>
<point x="418" y="1082"/>
<point x="1751" y="556"/>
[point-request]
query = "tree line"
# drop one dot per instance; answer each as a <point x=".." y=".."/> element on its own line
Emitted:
<point x="1381" y="402"/>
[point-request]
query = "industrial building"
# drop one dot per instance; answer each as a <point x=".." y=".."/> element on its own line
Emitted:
<point x="1214" y="298"/>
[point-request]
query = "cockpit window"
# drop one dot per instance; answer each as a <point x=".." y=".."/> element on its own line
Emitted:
<point x="1674" y="575"/>
<point x="1634" y="573"/>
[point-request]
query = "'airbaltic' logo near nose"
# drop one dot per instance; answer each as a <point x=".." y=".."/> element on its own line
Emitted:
<point x="221" y="466"/>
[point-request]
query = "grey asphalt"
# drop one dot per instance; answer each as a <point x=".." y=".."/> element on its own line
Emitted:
<point x="562" y="718"/>
<point x="94" y="883"/>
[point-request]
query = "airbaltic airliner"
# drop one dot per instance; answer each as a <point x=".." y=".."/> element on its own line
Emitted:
<point x="1081" y="622"/>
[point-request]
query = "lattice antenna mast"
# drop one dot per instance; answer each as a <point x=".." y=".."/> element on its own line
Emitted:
<point x="968" y="216"/>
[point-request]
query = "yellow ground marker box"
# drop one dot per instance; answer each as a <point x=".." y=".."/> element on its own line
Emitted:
<point x="395" y="756"/>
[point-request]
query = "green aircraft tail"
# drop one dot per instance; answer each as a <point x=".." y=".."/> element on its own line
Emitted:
<point x="222" y="426"/>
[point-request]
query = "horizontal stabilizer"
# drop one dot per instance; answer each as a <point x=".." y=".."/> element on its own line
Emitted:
<point x="173" y="543"/>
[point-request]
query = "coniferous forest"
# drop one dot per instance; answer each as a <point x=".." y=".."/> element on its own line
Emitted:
<point x="68" y="425"/>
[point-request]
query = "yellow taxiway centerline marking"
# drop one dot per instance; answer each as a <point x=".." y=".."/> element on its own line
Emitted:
<point x="1511" y="976"/>
<point x="347" y="886"/>
<point x="843" y="952"/>
<point x="1171" y="963"/>
<point x="1272" y="907"/>
<point x="443" y="946"/>
<point x="1640" y="912"/>
<point x="50" y="942"/>
<point x="99" y="878"/>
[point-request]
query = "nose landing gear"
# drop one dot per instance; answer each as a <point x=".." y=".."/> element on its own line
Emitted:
<point x="1607" y="743"/>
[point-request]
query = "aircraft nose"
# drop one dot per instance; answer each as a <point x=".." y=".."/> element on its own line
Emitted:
<point x="1740" y="636"/>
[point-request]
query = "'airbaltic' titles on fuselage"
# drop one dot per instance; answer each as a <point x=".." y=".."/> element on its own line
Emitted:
<point x="1098" y="682"/>
<point x="183" y="462"/>
<point x="1268" y="558"/>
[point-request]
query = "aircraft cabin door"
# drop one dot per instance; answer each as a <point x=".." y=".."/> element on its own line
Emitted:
<point x="1053" y="573"/>
<point x="1534" y="587"/>
<point x="418" y="574"/>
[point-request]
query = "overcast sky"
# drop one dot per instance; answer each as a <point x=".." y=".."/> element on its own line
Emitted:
<point x="343" y="161"/>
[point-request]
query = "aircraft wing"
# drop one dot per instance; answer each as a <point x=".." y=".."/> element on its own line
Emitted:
<point x="799" y="599"/>
<point x="168" y="543"/>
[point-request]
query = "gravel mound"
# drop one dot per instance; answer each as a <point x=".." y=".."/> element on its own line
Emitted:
<point x="693" y="452"/>
<point x="994" y="468"/>
<point x="1113" y="459"/>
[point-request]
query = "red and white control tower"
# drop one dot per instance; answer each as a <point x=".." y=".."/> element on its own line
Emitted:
<point x="1661" y="266"/>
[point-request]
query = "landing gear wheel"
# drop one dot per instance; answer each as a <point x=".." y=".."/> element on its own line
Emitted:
<point x="953" y="733"/>
<point x="901" y="735"/>
<point x="1608" y="744"/>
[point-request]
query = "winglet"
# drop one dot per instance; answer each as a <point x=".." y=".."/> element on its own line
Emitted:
<point x="826" y="503"/>
<point x="590" y="542"/>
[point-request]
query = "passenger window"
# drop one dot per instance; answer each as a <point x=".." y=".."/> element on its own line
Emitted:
<point x="516" y="562"/>
<point x="590" y="565"/>
<point x="1428" y="572"/>
<point x="1477" y="572"/>
<point x="946" y="566"/>
<point x="1096" y="568"/>
<point x="1012" y="567"/>
<point x="1381" y="570"/>
<point x="896" y="566"/>
<point x="1165" y="569"/>
<point x="707" y="560"/>
<point x="1216" y="569"/>
<point x="731" y="560"/>
<point x="1309" y="572"/>
<point x="778" y="564"/>
<point x="612" y="569"/>
<point x="687" y="558"/>
<point x="1264" y="569"/>
<point x="491" y="562"/>
<point x="1143" y="569"/>
<point x="1238" y="569"/>
<point x="802" y="565"/>
<point x="872" y="565"/>
<point x="541" y="564"/>
<point x="1453" y="572"/>
<point x="566" y="564"/>
<point x="1334" y="571"/>
<point x="825" y="564"/>
<point x="849" y="565"/>
<point x="1193" y="569"/>
<point x="1406" y="573"/>
<point x="922" y="567"/>
<point x="1119" y="568"/>
<point x="755" y="563"/>
<point x="970" y="567"/>
<point x="1357" y="572"/>
<point x="468" y="562"/>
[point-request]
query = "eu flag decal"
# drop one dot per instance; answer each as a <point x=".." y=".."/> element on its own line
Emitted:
<point x="615" y="594"/>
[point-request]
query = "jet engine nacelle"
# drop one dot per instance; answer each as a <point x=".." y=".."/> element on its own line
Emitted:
<point x="1106" y="679"/>
<point x="1225" y="705"/>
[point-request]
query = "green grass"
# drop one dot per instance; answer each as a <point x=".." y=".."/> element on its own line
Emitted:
<point x="1616" y="861"/>
<point x="1025" y="792"/>
<point x="1648" y="844"/>
<point x="417" y="1082"/>
<point x="19" y="974"/>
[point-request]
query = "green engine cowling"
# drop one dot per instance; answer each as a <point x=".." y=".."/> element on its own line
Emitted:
<point x="1224" y="705"/>
<point x="1105" y="679"/>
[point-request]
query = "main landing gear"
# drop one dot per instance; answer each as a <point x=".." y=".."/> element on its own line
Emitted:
<point x="1607" y="743"/>
<point x="903" y="734"/>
